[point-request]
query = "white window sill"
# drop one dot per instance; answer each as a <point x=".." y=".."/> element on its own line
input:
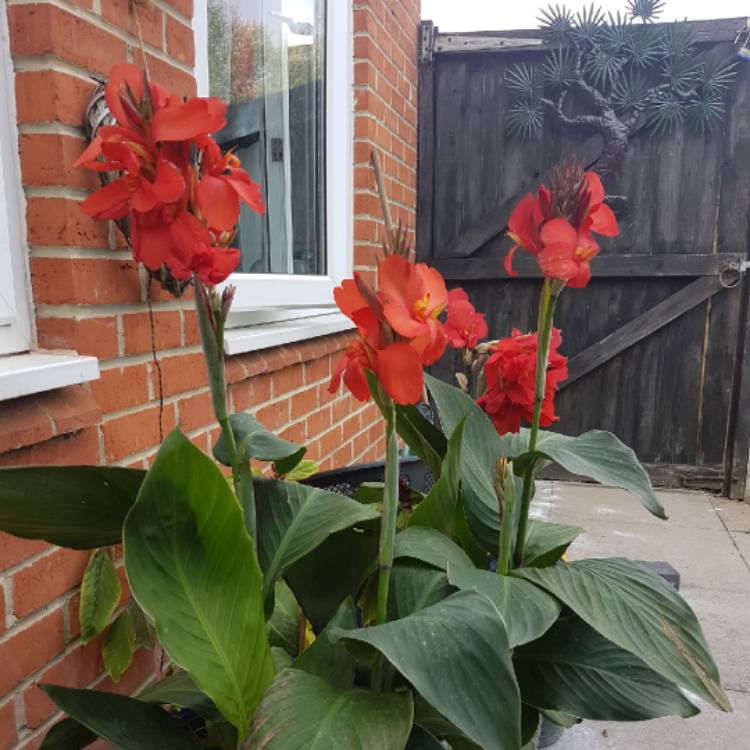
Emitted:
<point x="264" y="335"/>
<point x="24" y="374"/>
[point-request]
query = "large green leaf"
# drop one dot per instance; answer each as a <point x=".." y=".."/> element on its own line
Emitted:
<point x="68" y="734"/>
<point x="193" y="570"/>
<point x="82" y="507"/>
<point x="336" y="569"/>
<point x="637" y="610"/>
<point x="127" y="723"/>
<point x="438" y="509"/>
<point x="301" y="711"/>
<point x="457" y="656"/>
<point x="596" y="454"/>
<point x="178" y="689"/>
<point x="293" y="519"/>
<point x="283" y="627"/>
<point x="479" y="455"/>
<point x="255" y="441"/>
<point x="546" y="542"/>
<point x="421" y="739"/>
<point x="328" y="659"/>
<point x="574" y="669"/>
<point x="423" y="438"/>
<point x="527" y="611"/>
<point x="430" y="546"/>
<point x="118" y="646"/>
<point x="100" y="595"/>
<point x="414" y="586"/>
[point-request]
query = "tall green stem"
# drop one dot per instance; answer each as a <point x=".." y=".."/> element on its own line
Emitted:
<point x="212" y="341"/>
<point x="387" y="529"/>
<point x="547" y="304"/>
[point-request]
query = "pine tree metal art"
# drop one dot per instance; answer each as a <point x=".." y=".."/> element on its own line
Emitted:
<point x="611" y="74"/>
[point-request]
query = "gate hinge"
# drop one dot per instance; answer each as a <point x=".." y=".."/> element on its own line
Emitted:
<point x="427" y="31"/>
<point x="730" y="275"/>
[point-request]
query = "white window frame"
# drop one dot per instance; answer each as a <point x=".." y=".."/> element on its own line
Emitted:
<point x="272" y="309"/>
<point x="22" y="371"/>
<point x="15" y="317"/>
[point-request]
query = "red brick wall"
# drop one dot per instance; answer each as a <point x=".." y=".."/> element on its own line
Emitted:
<point x="89" y="296"/>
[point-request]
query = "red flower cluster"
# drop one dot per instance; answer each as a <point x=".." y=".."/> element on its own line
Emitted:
<point x="464" y="326"/>
<point x="181" y="194"/>
<point x="399" y="329"/>
<point x="557" y="228"/>
<point x="510" y="375"/>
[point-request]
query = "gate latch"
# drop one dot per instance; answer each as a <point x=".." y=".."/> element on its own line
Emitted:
<point x="731" y="274"/>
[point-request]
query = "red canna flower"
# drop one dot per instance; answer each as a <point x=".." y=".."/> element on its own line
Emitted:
<point x="464" y="326"/>
<point x="557" y="225"/>
<point x="396" y="365"/>
<point x="413" y="297"/>
<point x="183" y="211"/>
<point x="510" y="377"/>
<point x="222" y="186"/>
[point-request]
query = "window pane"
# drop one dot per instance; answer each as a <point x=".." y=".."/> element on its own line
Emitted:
<point x="266" y="58"/>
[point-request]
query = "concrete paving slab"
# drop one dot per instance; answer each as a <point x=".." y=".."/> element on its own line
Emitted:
<point x="714" y="566"/>
<point x="735" y="514"/>
<point x="569" y="501"/>
<point x="709" y="730"/>
<point x="693" y="552"/>
<point x="724" y="616"/>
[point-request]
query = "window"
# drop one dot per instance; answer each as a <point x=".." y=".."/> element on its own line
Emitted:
<point x="15" y="325"/>
<point x="285" y="68"/>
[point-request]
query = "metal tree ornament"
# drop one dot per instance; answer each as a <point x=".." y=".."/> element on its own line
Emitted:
<point x="622" y="72"/>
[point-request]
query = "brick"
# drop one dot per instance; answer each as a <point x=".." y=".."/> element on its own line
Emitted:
<point x="252" y="392"/>
<point x="144" y="665"/>
<point x="24" y="422"/>
<point x="65" y="97"/>
<point x="192" y="335"/>
<point x="71" y="409"/>
<point x="184" y="7"/>
<point x="46" y="579"/>
<point x="275" y="415"/>
<point x="196" y="411"/>
<point x="77" y="669"/>
<point x="288" y="379"/>
<point x="185" y="372"/>
<point x="304" y="402"/>
<point x="318" y="422"/>
<point x="136" y="432"/>
<point x="43" y="29"/>
<point x="60" y="221"/>
<point x="93" y="336"/>
<point x="77" y="448"/>
<point x="121" y="387"/>
<point x="180" y="43"/>
<point x="47" y="159"/>
<point x="8" y="735"/>
<point x="137" y="331"/>
<point x="84" y="281"/>
<point x="30" y="648"/>
<point x="122" y="13"/>
<point x="174" y="79"/>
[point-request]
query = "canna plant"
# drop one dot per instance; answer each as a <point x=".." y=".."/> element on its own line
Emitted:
<point x="294" y="617"/>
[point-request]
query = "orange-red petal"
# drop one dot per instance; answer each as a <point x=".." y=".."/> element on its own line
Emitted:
<point x="123" y="77"/>
<point x="508" y="262"/>
<point x="400" y="373"/>
<point x="110" y="202"/>
<point x="218" y="203"/>
<point x="189" y="120"/>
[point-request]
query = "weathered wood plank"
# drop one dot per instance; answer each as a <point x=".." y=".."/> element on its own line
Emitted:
<point x="644" y="325"/>
<point x="706" y="32"/>
<point x="485" y="43"/>
<point x="685" y="476"/>
<point x="425" y="146"/>
<point x="526" y="266"/>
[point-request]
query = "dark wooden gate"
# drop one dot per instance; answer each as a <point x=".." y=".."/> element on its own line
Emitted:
<point x="657" y="343"/>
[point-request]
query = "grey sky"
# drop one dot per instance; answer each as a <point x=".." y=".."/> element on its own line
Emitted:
<point x="483" y="15"/>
